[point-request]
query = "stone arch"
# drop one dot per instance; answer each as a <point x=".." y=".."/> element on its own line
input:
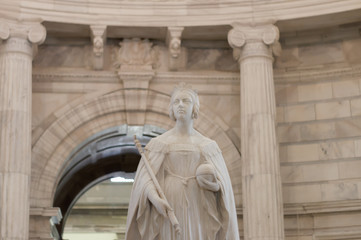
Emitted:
<point x="95" y="112"/>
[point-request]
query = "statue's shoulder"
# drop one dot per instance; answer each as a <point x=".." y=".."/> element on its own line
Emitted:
<point x="208" y="146"/>
<point x="158" y="144"/>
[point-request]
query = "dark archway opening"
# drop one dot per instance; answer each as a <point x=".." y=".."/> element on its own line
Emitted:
<point x="101" y="157"/>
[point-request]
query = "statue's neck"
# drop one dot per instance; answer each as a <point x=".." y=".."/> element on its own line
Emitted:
<point x="184" y="128"/>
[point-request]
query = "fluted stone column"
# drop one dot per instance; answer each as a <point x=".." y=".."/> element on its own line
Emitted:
<point x="16" y="53"/>
<point x="254" y="47"/>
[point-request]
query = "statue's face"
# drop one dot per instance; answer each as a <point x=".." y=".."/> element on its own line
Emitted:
<point x="183" y="106"/>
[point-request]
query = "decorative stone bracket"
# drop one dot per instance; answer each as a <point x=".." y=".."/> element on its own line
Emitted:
<point x="173" y="41"/>
<point x="98" y="37"/>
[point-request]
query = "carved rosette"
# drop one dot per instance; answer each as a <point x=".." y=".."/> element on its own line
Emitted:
<point x="21" y="37"/>
<point x="251" y="41"/>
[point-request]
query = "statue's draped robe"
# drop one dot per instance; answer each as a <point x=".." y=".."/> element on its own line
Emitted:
<point x="218" y="220"/>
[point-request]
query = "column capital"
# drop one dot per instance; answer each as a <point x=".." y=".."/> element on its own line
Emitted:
<point x="33" y="31"/>
<point x="254" y="40"/>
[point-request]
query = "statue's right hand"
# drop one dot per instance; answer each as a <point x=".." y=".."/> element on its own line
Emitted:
<point x="160" y="204"/>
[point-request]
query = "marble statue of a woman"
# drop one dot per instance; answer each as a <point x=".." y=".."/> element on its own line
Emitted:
<point x="193" y="176"/>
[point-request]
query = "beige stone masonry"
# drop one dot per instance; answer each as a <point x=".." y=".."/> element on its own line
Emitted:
<point x="286" y="94"/>
<point x="312" y="92"/>
<point x="310" y="173"/>
<point x="324" y="54"/>
<point x="337" y="150"/>
<point x="299" y="153"/>
<point x="334" y="109"/>
<point x="320" y="130"/>
<point x="321" y="191"/>
<point x="347" y="88"/>
<point x="350" y="169"/>
<point x="300" y="113"/>
<point x="280" y="113"/>
<point x="358" y="147"/>
<point x="356" y="107"/>
<point x="296" y="194"/>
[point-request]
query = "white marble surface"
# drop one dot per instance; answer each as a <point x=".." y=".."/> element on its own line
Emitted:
<point x="182" y="173"/>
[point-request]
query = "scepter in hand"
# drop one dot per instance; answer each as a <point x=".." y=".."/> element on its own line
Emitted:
<point x="170" y="212"/>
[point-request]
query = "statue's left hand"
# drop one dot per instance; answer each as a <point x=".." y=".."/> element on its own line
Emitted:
<point x="206" y="177"/>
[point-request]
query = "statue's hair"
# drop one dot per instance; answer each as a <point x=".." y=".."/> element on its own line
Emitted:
<point x="194" y="95"/>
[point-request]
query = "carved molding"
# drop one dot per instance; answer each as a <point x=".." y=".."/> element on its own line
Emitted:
<point x="136" y="79"/>
<point x="254" y="40"/>
<point x="291" y="209"/>
<point x="173" y="13"/>
<point x="339" y="234"/>
<point x="299" y="76"/>
<point x="322" y="207"/>
<point x="98" y="36"/>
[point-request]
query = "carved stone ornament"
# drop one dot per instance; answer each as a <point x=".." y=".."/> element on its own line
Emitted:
<point x="98" y="35"/>
<point x="21" y="36"/>
<point x="257" y="40"/>
<point x="98" y="38"/>
<point x="34" y="32"/>
<point x="174" y="40"/>
<point x="136" y="54"/>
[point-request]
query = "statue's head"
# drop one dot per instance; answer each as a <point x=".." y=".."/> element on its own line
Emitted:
<point x="186" y="91"/>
